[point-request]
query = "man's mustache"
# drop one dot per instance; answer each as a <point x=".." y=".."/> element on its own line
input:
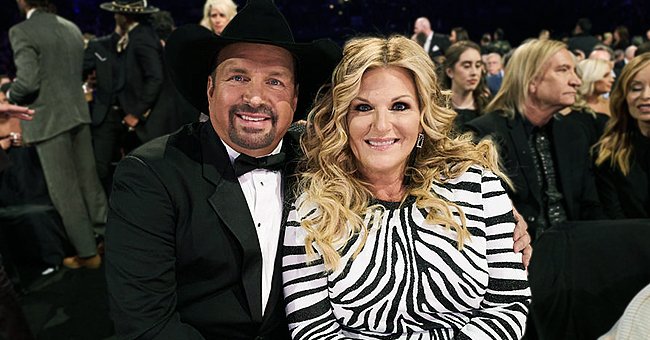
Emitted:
<point x="265" y="109"/>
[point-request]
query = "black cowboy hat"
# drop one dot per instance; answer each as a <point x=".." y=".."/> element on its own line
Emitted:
<point x="128" y="6"/>
<point x="191" y="52"/>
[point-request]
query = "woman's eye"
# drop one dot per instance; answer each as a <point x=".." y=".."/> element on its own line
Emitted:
<point x="400" y="106"/>
<point x="363" y="107"/>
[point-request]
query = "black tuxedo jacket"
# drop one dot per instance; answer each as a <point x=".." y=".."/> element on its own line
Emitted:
<point x="571" y="143"/>
<point x="142" y="69"/>
<point x="182" y="255"/>
<point x="100" y="55"/>
<point x="439" y="44"/>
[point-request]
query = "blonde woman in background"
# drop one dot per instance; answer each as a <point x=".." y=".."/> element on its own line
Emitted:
<point x="217" y="14"/>
<point x="597" y="80"/>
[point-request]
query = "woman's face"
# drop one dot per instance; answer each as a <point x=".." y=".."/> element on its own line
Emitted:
<point x="466" y="73"/>
<point x="604" y="85"/>
<point x="384" y="122"/>
<point x="638" y="96"/>
<point x="218" y="19"/>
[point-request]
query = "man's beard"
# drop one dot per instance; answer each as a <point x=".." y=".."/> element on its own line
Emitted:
<point x="251" y="138"/>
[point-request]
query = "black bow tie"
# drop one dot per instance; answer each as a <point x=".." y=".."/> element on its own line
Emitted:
<point x="244" y="163"/>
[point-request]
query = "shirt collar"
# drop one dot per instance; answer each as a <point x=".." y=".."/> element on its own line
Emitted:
<point x="30" y="12"/>
<point x="232" y="154"/>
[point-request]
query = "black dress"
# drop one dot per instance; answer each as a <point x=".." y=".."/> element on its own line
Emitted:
<point x="463" y="116"/>
<point x="627" y="196"/>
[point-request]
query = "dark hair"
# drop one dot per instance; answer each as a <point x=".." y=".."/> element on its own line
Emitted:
<point x="452" y="56"/>
<point x="461" y="33"/>
<point x="163" y="23"/>
<point x="37" y="3"/>
<point x="499" y="34"/>
<point x="643" y="48"/>
<point x="585" y="25"/>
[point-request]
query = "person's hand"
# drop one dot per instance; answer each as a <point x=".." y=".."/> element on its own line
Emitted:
<point x="131" y="121"/>
<point x="522" y="238"/>
<point x="15" y="111"/>
<point x="5" y="143"/>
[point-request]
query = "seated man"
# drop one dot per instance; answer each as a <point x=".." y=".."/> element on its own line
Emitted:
<point x="545" y="154"/>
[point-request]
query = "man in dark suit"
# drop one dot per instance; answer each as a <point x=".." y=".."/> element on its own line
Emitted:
<point x="140" y="76"/>
<point x="192" y="237"/>
<point x="582" y="39"/>
<point x="49" y="80"/>
<point x="100" y="57"/>
<point x="545" y="154"/>
<point x="435" y="44"/>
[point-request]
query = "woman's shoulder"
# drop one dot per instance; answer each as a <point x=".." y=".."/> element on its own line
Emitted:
<point x="468" y="181"/>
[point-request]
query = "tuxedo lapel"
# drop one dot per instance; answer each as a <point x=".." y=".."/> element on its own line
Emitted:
<point x="230" y="205"/>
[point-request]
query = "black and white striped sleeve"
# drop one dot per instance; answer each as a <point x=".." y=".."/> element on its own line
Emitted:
<point x="505" y="305"/>
<point x="308" y="307"/>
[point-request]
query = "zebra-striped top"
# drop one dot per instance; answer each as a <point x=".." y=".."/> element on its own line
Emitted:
<point x="410" y="281"/>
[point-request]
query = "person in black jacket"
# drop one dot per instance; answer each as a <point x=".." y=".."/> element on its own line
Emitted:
<point x="545" y="154"/>
<point x="140" y="76"/>
<point x="623" y="162"/>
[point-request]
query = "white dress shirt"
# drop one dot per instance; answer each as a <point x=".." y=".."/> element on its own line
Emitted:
<point x="263" y="191"/>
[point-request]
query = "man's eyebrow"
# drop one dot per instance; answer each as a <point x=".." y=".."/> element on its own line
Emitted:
<point x="235" y="69"/>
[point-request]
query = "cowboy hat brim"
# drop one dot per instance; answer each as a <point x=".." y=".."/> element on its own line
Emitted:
<point x="192" y="50"/>
<point x="110" y="6"/>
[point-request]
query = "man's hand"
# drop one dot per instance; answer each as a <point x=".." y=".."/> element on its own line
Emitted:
<point x="522" y="238"/>
<point x="15" y="111"/>
<point x="130" y="120"/>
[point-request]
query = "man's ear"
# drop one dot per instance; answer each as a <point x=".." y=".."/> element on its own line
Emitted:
<point x="210" y="86"/>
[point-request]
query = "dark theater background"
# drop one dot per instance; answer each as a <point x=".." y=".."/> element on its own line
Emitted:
<point x="339" y="19"/>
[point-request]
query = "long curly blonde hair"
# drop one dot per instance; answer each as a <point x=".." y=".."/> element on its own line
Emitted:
<point x="615" y="145"/>
<point x="329" y="177"/>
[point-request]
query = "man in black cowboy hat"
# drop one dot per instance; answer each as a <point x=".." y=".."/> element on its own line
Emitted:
<point x="195" y="221"/>
<point x="137" y="80"/>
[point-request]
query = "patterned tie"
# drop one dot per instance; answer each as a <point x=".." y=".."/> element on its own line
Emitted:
<point x="122" y="43"/>
<point x="244" y="163"/>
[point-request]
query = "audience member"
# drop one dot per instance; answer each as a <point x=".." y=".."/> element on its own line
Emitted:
<point x="217" y="14"/>
<point x="458" y="34"/>
<point x="51" y="83"/>
<point x="192" y="236"/>
<point x="628" y="55"/>
<point x="623" y="161"/>
<point x="621" y="38"/>
<point x="582" y="39"/>
<point x="597" y="80"/>
<point x="495" y="72"/>
<point x="602" y="52"/>
<point x="436" y="44"/>
<point x="387" y="196"/>
<point x="545" y="156"/>
<point x="643" y="48"/>
<point x="463" y="75"/>
<point x="140" y="69"/>
<point x="499" y="43"/>
<point x="608" y="39"/>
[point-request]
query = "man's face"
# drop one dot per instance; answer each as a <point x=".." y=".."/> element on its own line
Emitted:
<point x="253" y="97"/>
<point x="493" y="64"/>
<point x="120" y="21"/>
<point x="418" y="27"/>
<point x="557" y="85"/>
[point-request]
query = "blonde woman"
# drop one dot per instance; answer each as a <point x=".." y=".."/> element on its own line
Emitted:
<point x="623" y="162"/>
<point x="597" y="80"/>
<point x="217" y="14"/>
<point x="398" y="230"/>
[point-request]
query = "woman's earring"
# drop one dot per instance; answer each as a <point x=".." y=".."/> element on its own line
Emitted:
<point x="420" y="141"/>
